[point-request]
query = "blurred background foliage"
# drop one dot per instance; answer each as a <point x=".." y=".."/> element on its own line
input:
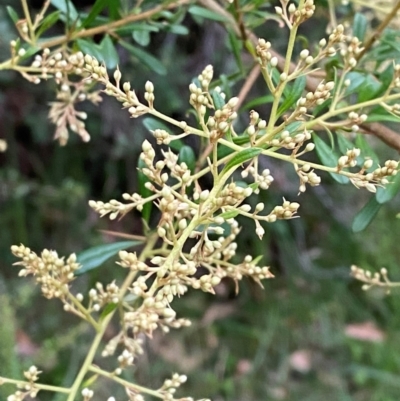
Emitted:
<point x="311" y="334"/>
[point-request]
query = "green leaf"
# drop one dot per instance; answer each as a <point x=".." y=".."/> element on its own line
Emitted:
<point x="369" y="88"/>
<point x="143" y="191"/>
<point x="366" y="150"/>
<point x="258" y="101"/>
<point x="67" y="8"/>
<point x="186" y="155"/>
<point x="208" y="14"/>
<point x="94" y="257"/>
<point x="231" y="214"/>
<point x="293" y="95"/>
<point x="108" y="309"/>
<point x="236" y="47"/>
<point x="364" y="217"/>
<point x="88" y="47"/>
<point x="356" y="80"/>
<point x="108" y="52"/>
<point x="379" y="114"/>
<point x="390" y="190"/>
<point x="240" y="158"/>
<point x="329" y="158"/>
<point x="146" y="58"/>
<point x="177" y="29"/>
<point x="141" y="37"/>
<point x="360" y="26"/>
<point x="96" y="9"/>
<point x="13" y="14"/>
<point x="218" y="100"/>
<point x="48" y="22"/>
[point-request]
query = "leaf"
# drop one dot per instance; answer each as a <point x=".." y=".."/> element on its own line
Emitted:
<point x="356" y="80"/>
<point x="390" y="190"/>
<point x="231" y="214"/>
<point x="360" y="26"/>
<point x="96" y="9"/>
<point x="48" y="22"/>
<point x="208" y="14"/>
<point x="141" y="37"/>
<point x="143" y="191"/>
<point x="13" y="14"/>
<point x="67" y="8"/>
<point x="108" y="309"/>
<point x="364" y="217"/>
<point x="186" y="155"/>
<point x="240" y="158"/>
<point x="329" y="158"/>
<point x="380" y="114"/>
<point x="218" y="100"/>
<point x="88" y="47"/>
<point x="146" y="58"/>
<point x="258" y="101"/>
<point x="369" y="88"/>
<point x="366" y="150"/>
<point x="177" y="29"/>
<point x="236" y="47"/>
<point x="108" y="52"/>
<point x="293" y="95"/>
<point x="94" y="257"/>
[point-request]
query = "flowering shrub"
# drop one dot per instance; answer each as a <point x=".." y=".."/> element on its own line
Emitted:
<point x="193" y="242"/>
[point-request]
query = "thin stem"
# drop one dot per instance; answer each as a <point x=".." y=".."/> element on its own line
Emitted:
<point x="379" y="30"/>
<point x="125" y="383"/>
<point x="28" y="18"/>
<point x="44" y="387"/>
<point x="103" y="326"/>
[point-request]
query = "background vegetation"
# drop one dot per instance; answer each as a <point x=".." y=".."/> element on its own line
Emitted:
<point x="311" y="334"/>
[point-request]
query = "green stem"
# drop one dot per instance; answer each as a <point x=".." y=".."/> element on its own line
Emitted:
<point x="45" y="387"/>
<point x="125" y="383"/>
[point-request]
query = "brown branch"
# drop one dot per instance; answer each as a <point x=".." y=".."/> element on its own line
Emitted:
<point x="379" y="30"/>
<point x="248" y="84"/>
<point x="382" y="132"/>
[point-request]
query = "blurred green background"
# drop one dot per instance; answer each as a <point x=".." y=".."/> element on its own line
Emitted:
<point x="310" y="334"/>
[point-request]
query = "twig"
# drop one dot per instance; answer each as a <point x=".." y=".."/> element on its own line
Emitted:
<point x="379" y="30"/>
<point x="382" y="132"/>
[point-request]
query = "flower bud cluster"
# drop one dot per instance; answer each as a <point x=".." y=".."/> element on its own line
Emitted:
<point x="99" y="297"/>
<point x="263" y="53"/>
<point x="307" y="176"/>
<point x="162" y="136"/>
<point x="52" y="273"/>
<point x="87" y="394"/>
<point x="350" y="52"/>
<point x="256" y="125"/>
<point x="264" y="180"/>
<point x="348" y="160"/>
<point x="133" y="345"/>
<point x="288" y="141"/>
<point x="284" y="212"/>
<point x="222" y="119"/>
<point x="379" y="279"/>
<point x="231" y="195"/>
<point x="379" y="176"/>
<point x="170" y="386"/>
<point x="319" y="96"/>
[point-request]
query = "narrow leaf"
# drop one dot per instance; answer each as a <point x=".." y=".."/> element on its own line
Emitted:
<point x="231" y="214"/>
<point x="329" y="158"/>
<point x="141" y="37"/>
<point x="13" y="14"/>
<point x="146" y="58"/>
<point x="218" y="100"/>
<point x="48" y="22"/>
<point x="293" y="95"/>
<point x="108" y="309"/>
<point x="96" y="9"/>
<point x="108" y="52"/>
<point x="67" y="8"/>
<point x="364" y="217"/>
<point x="360" y="26"/>
<point x="240" y="158"/>
<point x="186" y="155"/>
<point x="208" y="14"/>
<point x="390" y="190"/>
<point x="94" y="257"/>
